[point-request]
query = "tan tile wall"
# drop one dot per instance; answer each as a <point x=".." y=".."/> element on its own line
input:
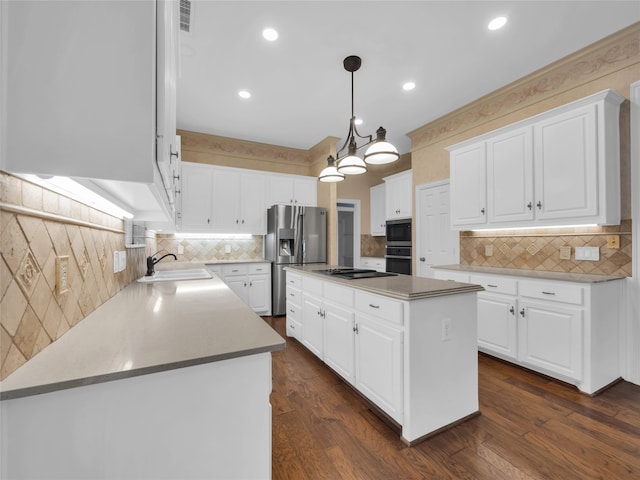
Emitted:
<point x="203" y="250"/>
<point x="540" y="249"/>
<point x="32" y="315"/>
<point x="372" y="246"/>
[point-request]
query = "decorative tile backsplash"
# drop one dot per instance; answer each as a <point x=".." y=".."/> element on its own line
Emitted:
<point x="36" y="227"/>
<point x="208" y="249"/>
<point x="372" y="246"/>
<point x="540" y="249"/>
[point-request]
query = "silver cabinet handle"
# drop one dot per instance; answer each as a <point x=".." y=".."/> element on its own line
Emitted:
<point x="522" y="313"/>
<point x="482" y="210"/>
<point x="548" y="293"/>
<point x="539" y="205"/>
<point x="374" y="306"/>
<point x="355" y="328"/>
<point x="422" y="259"/>
<point x="529" y="205"/>
<point x="512" y="311"/>
<point x="492" y="286"/>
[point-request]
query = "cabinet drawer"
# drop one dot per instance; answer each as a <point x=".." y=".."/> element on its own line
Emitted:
<point x="259" y="268"/>
<point x="338" y="294"/>
<point x="293" y="311"/>
<point x="293" y="280"/>
<point x="234" y="269"/>
<point x="293" y="295"/>
<point x="378" y="306"/>
<point x="449" y="275"/>
<point x="508" y="286"/>
<point x="556" y="292"/>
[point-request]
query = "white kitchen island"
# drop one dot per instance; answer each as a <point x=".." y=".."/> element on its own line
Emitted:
<point x="408" y="344"/>
<point x="166" y="380"/>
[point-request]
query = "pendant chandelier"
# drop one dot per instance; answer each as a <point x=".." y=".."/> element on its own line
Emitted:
<point x="348" y="162"/>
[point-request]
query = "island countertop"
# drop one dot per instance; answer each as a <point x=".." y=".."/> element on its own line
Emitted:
<point x="402" y="287"/>
<point x="143" y="329"/>
<point x="532" y="274"/>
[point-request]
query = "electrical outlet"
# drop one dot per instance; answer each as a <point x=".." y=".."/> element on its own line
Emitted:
<point x="62" y="274"/>
<point x="613" y="241"/>
<point x="116" y="262"/>
<point x="488" y="250"/>
<point x="180" y="249"/>
<point x="227" y="249"/>
<point x="446" y="329"/>
<point x="565" y="253"/>
<point x="123" y="260"/>
<point x="591" y="254"/>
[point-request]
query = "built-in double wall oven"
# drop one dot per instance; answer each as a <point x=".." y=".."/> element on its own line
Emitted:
<point x="398" y="251"/>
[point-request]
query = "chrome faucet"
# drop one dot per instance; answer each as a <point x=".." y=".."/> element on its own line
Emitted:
<point x="151" y="261"/>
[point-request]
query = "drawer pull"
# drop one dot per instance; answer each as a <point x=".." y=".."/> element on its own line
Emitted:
<point x="292" y="295"/>
<point x="492" y="286"/>
<point x="512" y="311"/>
<point x="549" y="293"/>
<point x="374" y="306"/>
<point x="293" y="311"/>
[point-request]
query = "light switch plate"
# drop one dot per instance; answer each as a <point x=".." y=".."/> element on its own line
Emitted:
<point x="565" y="253"/>
<point x="591" y="254"/>
<point x="227" y="249"/>
<point x="123" y="260"/>
<point x="488" y="250"/>
<point x="613" y="241"/>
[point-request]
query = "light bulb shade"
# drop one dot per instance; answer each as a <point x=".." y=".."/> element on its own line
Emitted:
<point x="330" y="172"/>
<point x="381" y="152"/>
<point x="352" y="165"/>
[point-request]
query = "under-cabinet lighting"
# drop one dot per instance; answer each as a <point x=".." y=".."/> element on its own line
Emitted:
<point x="541" y="227"/>
<point x="214" y="236"/>
<point x="72" y="189"/>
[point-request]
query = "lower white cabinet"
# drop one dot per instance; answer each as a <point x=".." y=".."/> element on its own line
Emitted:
<point x="294" y="306"/>
<point x="551" y="338"/>
<point x="567" y="330"/>
<point x="250" y="281"/>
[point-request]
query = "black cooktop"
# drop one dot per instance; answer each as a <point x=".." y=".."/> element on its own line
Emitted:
<point x="354" y="273"/>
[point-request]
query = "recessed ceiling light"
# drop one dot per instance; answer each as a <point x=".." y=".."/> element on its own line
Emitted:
<point x="409" y="86"/>
<point x="270" y="34"/>
<point x="497" y="23"/>
<point x="358" y="121"/>
<point x="244" y="94"/>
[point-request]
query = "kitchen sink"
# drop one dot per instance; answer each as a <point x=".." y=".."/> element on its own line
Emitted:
<point x="175" y="275"/>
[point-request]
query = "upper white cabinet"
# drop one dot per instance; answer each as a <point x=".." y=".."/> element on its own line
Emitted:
<point x="222" y="200"/>
<point x="292" y="190"/>
<point x="377" y="210"/>
<point x="561" y="167"/>
<point x="88" y="87"/>
<point x="398" y="195"/>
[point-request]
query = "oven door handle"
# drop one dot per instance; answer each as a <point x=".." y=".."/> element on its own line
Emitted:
<point x="399" y="257"/>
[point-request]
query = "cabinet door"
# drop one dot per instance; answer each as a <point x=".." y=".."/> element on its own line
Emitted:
<point x="398" y="196"/>
<point x="226" y="201"/>
<point x="566" y="165"/>
<point x="339" y="345"/>
<point x="497" y="324"/>
<point x="259" y="293"/>
<point x="280" y="190"/>
<point x="196" y="198"/>
<point x="468" y="186"/>
<point x="253" y="211"/>
<point x="550" y="338"/>
<point x="379" y="364"/>
<point x="312" y="324"/>
<point x="305" y="192"/>
<point x="510" y="176"/>
<point x="377" y="210"/>
<point x="239" y="286"/>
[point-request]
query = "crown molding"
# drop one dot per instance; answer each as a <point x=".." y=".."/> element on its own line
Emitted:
<point x="618" y="51"/>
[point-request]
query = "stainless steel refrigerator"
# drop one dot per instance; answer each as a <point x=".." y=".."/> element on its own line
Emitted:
<point x="295" y="236"/>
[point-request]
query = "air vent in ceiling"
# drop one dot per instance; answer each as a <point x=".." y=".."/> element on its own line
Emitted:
<point x="185" y="15"/>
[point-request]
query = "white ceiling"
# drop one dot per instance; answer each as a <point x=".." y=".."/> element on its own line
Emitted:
<point x="301" y="92"/>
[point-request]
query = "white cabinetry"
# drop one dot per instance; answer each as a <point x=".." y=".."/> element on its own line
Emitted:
<point x="561" y="167"/>
<point x="294" y="306"/>
<point x="83" y="103"/>
<point x="377" y="210"/>
<point x="339" y="341"/>
<point x="379" y="351"/>
<point x="313" y="316"/>
<point x="249" y="281"/>
<point x="567" y="330"/>
<point x="398" y="195"/>
<point x="468" y="187"/>
<point x="375" y="263"/>
<point x="292" y="190"/>
<point x="222" y="200"/>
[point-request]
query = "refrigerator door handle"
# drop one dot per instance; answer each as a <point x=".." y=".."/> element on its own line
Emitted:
<point x="304" y="250"/>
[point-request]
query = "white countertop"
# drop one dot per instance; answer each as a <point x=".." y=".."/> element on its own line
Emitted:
<point x="403" y="287"/>
<point x="533" y="274"/>
<point x="147" y="328"/>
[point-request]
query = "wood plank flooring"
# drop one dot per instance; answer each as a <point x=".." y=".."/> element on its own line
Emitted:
<point x="530" y="427"/>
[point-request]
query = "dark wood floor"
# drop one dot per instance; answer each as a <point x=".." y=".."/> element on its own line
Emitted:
<point x="530" y="427"/>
